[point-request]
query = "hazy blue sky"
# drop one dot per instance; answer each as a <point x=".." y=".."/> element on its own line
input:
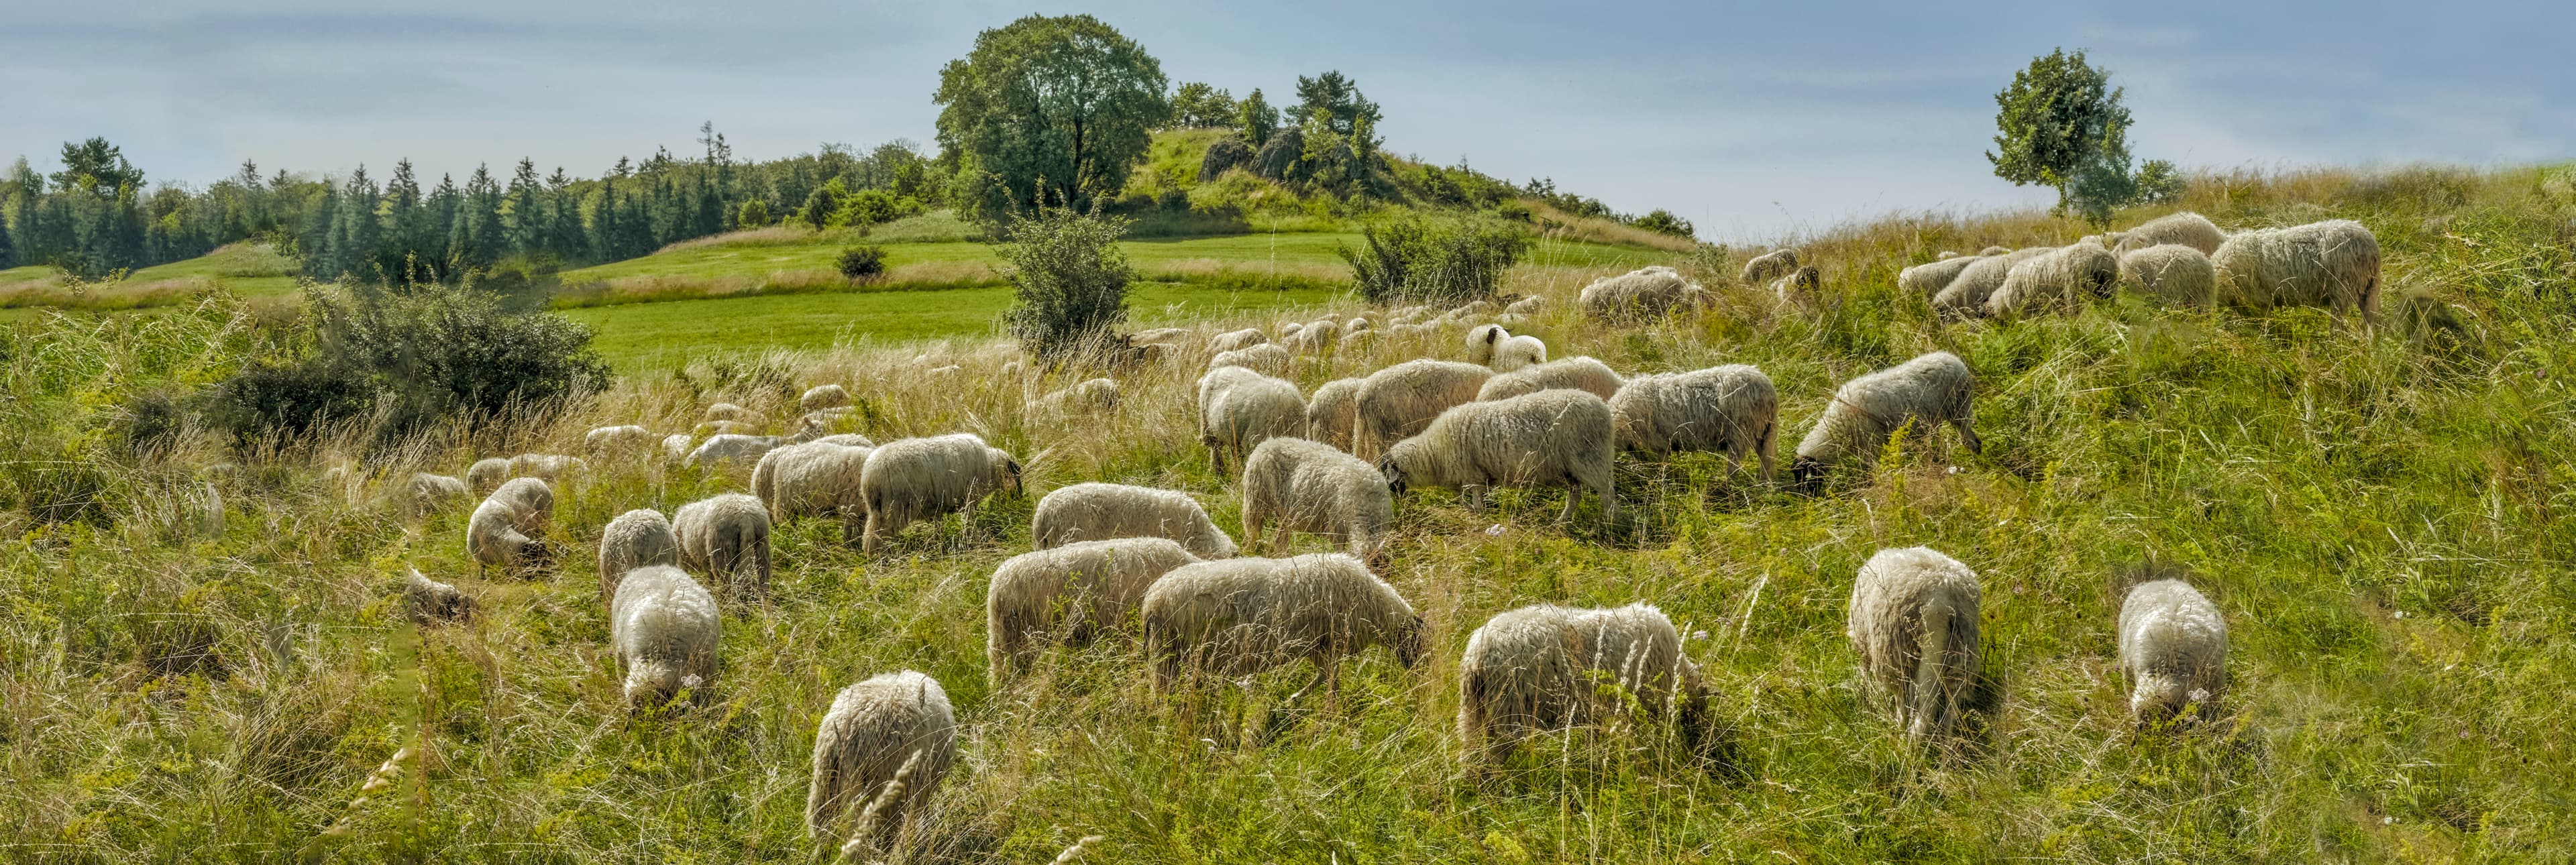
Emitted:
<point x="1749" y="120"/>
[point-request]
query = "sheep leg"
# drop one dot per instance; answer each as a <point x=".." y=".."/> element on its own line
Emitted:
<point x="869" y="541"/>
<point x="1475" y="498"/>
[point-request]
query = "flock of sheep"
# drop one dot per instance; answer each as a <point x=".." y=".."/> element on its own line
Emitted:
<point x="1112" y="557"/>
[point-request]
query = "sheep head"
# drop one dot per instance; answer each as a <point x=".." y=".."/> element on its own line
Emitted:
<point x="1409" y="641"/>
<point x="2162" y="697"/>
<point x="1394" y="472"/>
<point x="1807" y="475"/>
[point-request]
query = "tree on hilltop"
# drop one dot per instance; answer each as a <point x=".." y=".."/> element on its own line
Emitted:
<point x="1064" y="103"/>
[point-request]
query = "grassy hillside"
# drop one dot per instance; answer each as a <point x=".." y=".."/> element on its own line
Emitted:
<point x="246" y="269"/>
<point x="2378" y="511"/>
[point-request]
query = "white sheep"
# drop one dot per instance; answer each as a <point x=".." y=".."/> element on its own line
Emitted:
<point x="1312" y="337"/>
<point x="1170" y="336"/>
<point x="2063" y="278"/>
<point x="1330" y="412"/>
<point x="2332" y="264"/>
<point x="1644" y="293"/>
<point x="910" y="480"/>
<point x="1543" y="667"/>
<point x="503" y="531"/>
<point x="430" y="492"/>
<point x="664" y="628"/>
<point x="1096" y="511"/>
<point x="1239" y="408"/>
<point x="1309" y="486"/>
<point x="675" y="447"/>
<point x="2170" y="273"/>
<point x="2173" y="646"/>
<point x="487" y="473"/>
<point x="724" y="428"/>
<point x="2182" y="229"/>
<point x="727" y="447"/>
<point x="1527" y="306"/>
<point x="1099" y="395"/>
<point x="430" y="602"/>
<point x="1495" y="347"/>
<point x="1241" y="616"/>
<point x="548" y="467"/>
<point x="615" y="441"/>
<point x="1581" y="373"/>
<point x="1804" y="285"/>
<point x="1237" y="339"/>
<point x="1994" y="250"/>
<point x="1070" y="594"/>
<point x="1400" y="400"/>
<point x="1769" y="266"/>
<point x="1558" y="438"/>
<point x="1914" y="396"/>
<point x="895" y="728"/>
<point x="1730" y="409"/>
<point x="1914" y="624"/>
<point x="1965" y="296"/>
<point x="819" y="478"/>
<point x="1268" y="357"/>
<point x="634" y="539"/>
<point x="724" y="411"/>
<point x="823" y="396"/>
<point x="724" y="535"/>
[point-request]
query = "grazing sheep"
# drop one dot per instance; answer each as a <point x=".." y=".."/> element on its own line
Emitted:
<point x="1356" y="324"/>
<point x="430" y="602"/>
<point x="1309" y="486"/>
<point x="547" y="467"/>
<point x="1527" y="306"/>
<point x="724" y="411"/>
<point x="664" y="628"/>
<point x="1232" y="340"/>
<point x="820" y="421"/>
<point x="487" y="473"/>
<point x="1995" y="250"/>
<point x="612" y="441"/>
<point x="1312" y="337"/>
<point x="1171" y="336"/>
<point x="724" y="428"/>
<point x="893" y="729"/>
<point x="1241" y="616"/>
<point x="430" y="492"/>
<point x="1238" y="408"/>
<point x="1914" y="624"/>
<point x="2173" y="646"/>
<point x="1804" y="285"/>
<point x="722" y="534"/>
<point x="1495" y="347"/>
<point x="1094" y="395"/>
<point x="823" y="396"/>
<point x="1916" y="395"/>
<point x="818" y="478"/>
<point x="1541" y="668"/>
<point x="1574" y="373"/>
<point x="634" y="539"/>
<point x="1070" y="593"/>
<point x="2171" y="273"/>
<point x="1398" y="401"/>
<point x="2333" y="264"/>
<point x="2062" y="278"/>
<point x="1769" y="266"/>
<point x="910" y="480"/>
<point x="1730" y="409"/>
<point x="504" y="528"/>
<point x="1096" y="511"/>
<point x="1551" y="438"/>
<point x="1268" y="357"/>
<point x="1965" y="296"/>
<point x="2182" y="229"/>
<point x="675" y="447"/>
<point x="727" y="447"/>
<point x="1644" y="293"/>
<point x="1330" y="412"/>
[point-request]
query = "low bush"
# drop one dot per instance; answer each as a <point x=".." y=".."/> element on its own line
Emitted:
<point x="862" y="262"/>
<point x="1439" y="259"/>
<point x="1069" y="277"/>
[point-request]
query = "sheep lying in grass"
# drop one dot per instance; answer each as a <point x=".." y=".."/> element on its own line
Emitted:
<point x="504" y="529"/>
<point x="1914" y="624"/>
<point x="2182" y="229"/>
<point x="1914" y="396"/>
<point x="1094" y="396"/>
<point x="1965" y="296"/>
<point x="487" y="473"/>
<point x="1400" y="400"/>
<point x="2063" y="278"/>
<point x="724" y="535"/>
<point x="1309" y="486"/>
<point x="2171" y="273"/>
<point x="1070" y="593"/>
<point x="2173" y="646"/>
<point x="1495" y="347"/>
<point x="1240" y="408"/>
<point x="1237" y="339"/>
<point x="1095" y="511"/>
<point x="727" y="447"/>
<point x="1769" y="266"/>
<point x="1574" y="373"/>
<point x="430" y="492"/>
<point x="634" y="539"/>
<point x="1241" y="616"/>
<point x="892" y="737"/>
<point x="910" y="480"/>
<point x="1555" y="438"/>
<point x="724" y="411"/>
<point x="1731" y="409"/>
<point x="823" y="396"/>
<point x="1542" y="667"/>
<point x="1331" y="411"/>
<point x="820" y="478"/>
<point x="1268" y="357"/>
<point x="663" y="628"/>
<point x="1644" y="293"/>
<point x="2332" y="264"/>
<point x="616" y="441"/>
<point x="431" y="602"/>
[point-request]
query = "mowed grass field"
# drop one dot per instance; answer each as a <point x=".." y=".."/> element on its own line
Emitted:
<point x="247" y="269"/>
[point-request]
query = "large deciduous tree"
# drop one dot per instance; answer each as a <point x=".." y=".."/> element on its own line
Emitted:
<point x="2061" y="124"/>
<point x="1063" y="104"/>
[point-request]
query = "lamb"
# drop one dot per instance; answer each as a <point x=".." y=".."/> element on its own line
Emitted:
<point x="724" y="411"/>
<point x="1965" y="296"/>
<point x="1311" y="487"/>
<point x="2181" y="229"/>
<point x="1550" y="438"/>
<point x="1094" y="511"/>
<point x="1769" y="266"/>
<point x="1330" y="412"/>
<point x="431" y="602"/>
<point x="663" y="627"/>
<point x="429" y="492"/>
<point x="823" y="396"/>
<point x="1495" y="347"/>
<point x="2061" y="278"/>
<point x="1573" y="373"/>
<point x="633" y="540"/>
<point x="910" y="480"/>
<point x="487" y="473"/>
<point x="2171" y="273"/>
<point x="612" y="441"/>
<point x="727" y="447"/>
<point x="1541" y="667"/>
<point x="1729" y="409"/>
<point x="1914" y="624"/>
<point x="1072" y="592"/>
<point x="892" y="730"/>
<point x="1268" y="357"/>
<point x="1231" y="340"/>
<point x="1644" y="293"/>
<point x="1239" y="408"/>
<point x="1241" y="616"/>
<point x="548" y="467"/>
<point x="2173" y="646"/>
<point x="818" y="479"/>
<point x="504" y="528"/>
<point x="1914" y="395"/>
<point x="722" y="534"/>
<point x="1401" y="400"/>
<point x="1087" y="397"/>
<point x="2333" y="263"/>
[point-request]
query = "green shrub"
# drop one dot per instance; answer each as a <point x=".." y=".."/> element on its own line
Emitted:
<point x="754" y="214"/>
<point x="861" y="262"/>
<point x="1069" y="277"/>
<point x="1444" y="259"/>
<point x="1664" y="222"/>
<point x="1223" y="155"/>
<point x="874" y="207"/>
<point x="2159" y="182"/>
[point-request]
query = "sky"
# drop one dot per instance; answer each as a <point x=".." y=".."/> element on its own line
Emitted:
<point x="1754" y="121"/>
